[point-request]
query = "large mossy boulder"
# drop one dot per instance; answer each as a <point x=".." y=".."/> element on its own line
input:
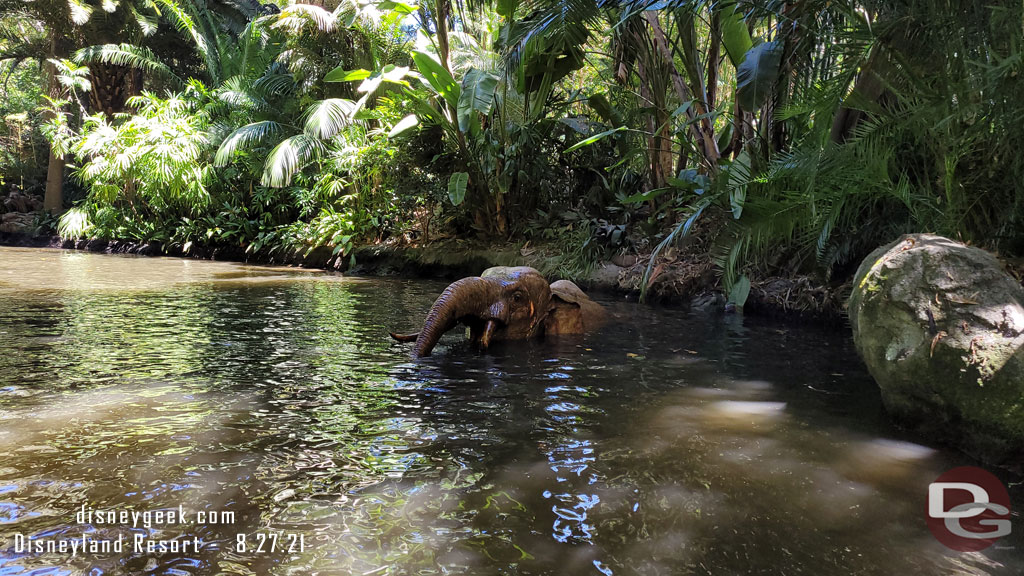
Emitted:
<point x="941" y="328"/>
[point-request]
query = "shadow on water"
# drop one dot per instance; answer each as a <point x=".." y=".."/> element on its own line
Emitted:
<point x="670" y="443"/>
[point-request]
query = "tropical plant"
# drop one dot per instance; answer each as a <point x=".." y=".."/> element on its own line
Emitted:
<point x="148" y="167"/>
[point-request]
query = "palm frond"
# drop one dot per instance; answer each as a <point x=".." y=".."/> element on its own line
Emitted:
<point x="148" y="23"/>
<point x="74" y="224"/>
<point x="238" y="92"/>
<point x="185" y="24"/>
<point x="80" y="11"/>
<point x="326" y="118"/>
<point x="277" y="81"/>
<point x="243" y="138"/>
<point x="138" y="57"/>
<point x="294" y="18"/>
<point x="288" y="157"/>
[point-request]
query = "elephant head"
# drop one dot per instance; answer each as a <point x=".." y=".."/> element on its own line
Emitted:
<point x="506" y="304"/>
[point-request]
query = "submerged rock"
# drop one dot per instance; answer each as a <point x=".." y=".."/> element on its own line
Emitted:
<point x="940" y="326"/>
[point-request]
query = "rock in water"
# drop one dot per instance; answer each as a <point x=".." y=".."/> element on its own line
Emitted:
<point x="941" y="328"/>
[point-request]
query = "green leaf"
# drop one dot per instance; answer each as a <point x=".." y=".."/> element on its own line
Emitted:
<point x="681" y="230"/>
<point x="478" y="87"/>
<point x="594" y="138"/>
<point x="364" y="114"/>
<point x="399" y="7"/>
<point x="507" y="8"/>
<point x="735" y="34"/>
<point x="128" y="55"/>
<point x="339" y="74"/>
<point x="757" y="74"/>
<point x="739" y="175"/>
<point x="390" y="73"/>
<point x="644" y="196"/>
<point x="740" y="291"/>
<point x="404" y="124"/>
<point x="604" y="109"/>
<point x="682" y="109"/>
<point x="437" y="77"/>
<point x="725" y="136"/>
<point x="457" y="187"/>
<point x="690" y="180"/>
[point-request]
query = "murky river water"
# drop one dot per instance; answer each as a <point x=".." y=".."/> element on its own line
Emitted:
<point x="670" y="443"/>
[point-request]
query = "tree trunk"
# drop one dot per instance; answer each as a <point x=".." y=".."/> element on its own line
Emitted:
<point x="442" y="32"/>
<point x="657" y="125"/>
<point x="702" y="129"/>
<point x="714" y="58"/>
<point x="869" y="86"/>
<point x="112" y="86"/>
<point x="53" y="201"/>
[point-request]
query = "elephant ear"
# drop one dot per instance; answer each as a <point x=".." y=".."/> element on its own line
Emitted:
<point x="567" y="292"/>
<point x="572" y="311"/>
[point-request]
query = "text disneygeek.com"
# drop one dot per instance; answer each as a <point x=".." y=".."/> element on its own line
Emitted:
<point x="143" y="543"/>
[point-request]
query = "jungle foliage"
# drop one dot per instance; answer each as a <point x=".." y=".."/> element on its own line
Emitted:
<point x="804" y="132"/>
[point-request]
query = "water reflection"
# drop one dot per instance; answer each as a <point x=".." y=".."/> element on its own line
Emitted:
<point x="670" y="444"/>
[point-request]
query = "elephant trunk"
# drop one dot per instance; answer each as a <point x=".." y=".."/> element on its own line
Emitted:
<point x="465" y="297"/>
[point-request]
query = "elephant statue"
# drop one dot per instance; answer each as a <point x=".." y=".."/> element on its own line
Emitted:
<point x="507" y="303"/>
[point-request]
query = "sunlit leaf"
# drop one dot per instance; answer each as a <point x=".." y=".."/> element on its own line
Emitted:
<point x="437" y="77"/>
<point x="478" y="87"/>
<point x="339" y="74"/>
<point x="80" y="11"/>
<point x="404" y="124"/>
<point x="594" y="138"/>
<point x="326" y="118"/>
<point x="288" y="157"/>
<point x="294" y="17"/>
<point x="399" y="7"/>
<point x="735" y="34"/>
<point x="128" y="55"/>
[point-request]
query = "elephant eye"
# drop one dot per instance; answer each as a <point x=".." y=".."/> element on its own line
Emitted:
<point x="517" y="297"/>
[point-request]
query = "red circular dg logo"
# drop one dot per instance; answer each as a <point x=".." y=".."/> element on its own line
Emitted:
<point x="968" y="509"/>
